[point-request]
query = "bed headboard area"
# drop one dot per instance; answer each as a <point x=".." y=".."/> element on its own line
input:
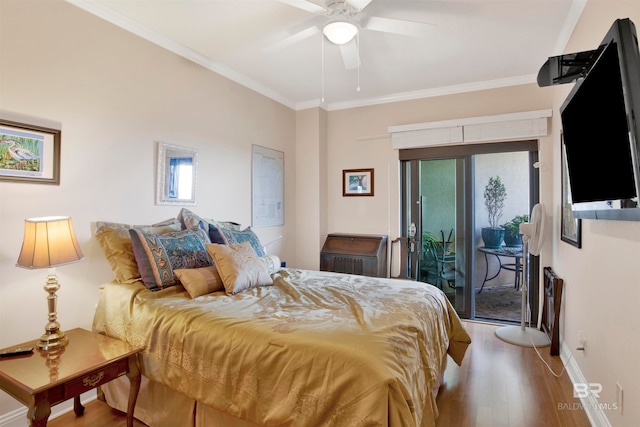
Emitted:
<point x="551" y="308"/>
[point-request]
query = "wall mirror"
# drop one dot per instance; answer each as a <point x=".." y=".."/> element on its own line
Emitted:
<point x="177" y="175"/>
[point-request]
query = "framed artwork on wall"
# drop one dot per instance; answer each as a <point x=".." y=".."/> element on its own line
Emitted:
<point x="29" y="153"/>
<point x="570" y="227"/>
<point x="267" y="187"/>
<point x="357" y="182"/>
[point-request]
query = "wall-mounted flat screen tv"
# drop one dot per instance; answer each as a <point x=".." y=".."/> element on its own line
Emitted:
<point x="601" y="130"/>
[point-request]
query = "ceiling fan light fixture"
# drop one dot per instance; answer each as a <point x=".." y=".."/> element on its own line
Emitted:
<point x="340" y="32"/>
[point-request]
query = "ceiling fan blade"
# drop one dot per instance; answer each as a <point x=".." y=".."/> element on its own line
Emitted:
<point x="350" y="55"/>
<point x="399" y="26"/>
<point x="291" y="40"/>
<point x="359" y="4"/>
<point x="304" y="5"/>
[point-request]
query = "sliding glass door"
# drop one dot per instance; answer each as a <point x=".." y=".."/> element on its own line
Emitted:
<point x="437" y="208"/>
<point x="443" y="214"/>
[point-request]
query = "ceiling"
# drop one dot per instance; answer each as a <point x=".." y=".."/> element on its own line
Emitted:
<point x="467" y="45"/>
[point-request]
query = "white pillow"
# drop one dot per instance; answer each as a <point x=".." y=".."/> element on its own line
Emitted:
<point x="271" y="263"/>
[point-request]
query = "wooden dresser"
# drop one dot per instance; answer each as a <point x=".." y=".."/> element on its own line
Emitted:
<point x="362" y="254"/>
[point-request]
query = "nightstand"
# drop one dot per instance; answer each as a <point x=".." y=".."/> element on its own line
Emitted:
<point x="43" y="379"/>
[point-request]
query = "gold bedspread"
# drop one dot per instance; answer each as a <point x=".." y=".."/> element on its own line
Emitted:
<point x="314" y="349"/>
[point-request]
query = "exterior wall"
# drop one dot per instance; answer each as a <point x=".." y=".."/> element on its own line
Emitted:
<point x="513" y="169"/>
<point x="438" y="188"/>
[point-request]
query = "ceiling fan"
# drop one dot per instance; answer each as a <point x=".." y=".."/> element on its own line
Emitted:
<point x="341" y="21"/>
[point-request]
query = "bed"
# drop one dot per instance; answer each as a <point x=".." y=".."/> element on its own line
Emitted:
<point x="310" y="348"/>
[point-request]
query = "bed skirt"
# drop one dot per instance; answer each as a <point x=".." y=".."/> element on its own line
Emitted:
<point x="160" y="406"/>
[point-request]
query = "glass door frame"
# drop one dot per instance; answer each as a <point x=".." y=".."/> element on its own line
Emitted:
<point x="410" y="175"/>
<point x="410" y="204"/>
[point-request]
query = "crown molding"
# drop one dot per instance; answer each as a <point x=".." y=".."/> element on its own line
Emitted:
<point x="98" y="9"/>
<point x="575" y="11"/>
<point x="433" y="92"/>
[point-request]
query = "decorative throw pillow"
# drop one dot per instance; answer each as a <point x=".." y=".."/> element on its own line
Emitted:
<point x="271" y="263"/>
<point x="190" y="220"/>
<point x="200" y="281"/>
<point x="115" y="241"/>
<point x="159" y="255"/>
<point x="239" y="267"/>
<point x="226" y="236"/>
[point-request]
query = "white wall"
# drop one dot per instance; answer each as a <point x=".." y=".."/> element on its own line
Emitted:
<point x="311" y="166"/>
<point x="114" y="94"/>
<point x="359" y="138"/>
<point x="602" y="286"/>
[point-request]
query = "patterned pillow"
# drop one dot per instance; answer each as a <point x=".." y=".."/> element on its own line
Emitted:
<point x="190" y="220"/>
<point x="200" y="281"/>
<point x="158" y="255"/>
<point x="239" y="267"/>
<point x="226" y="236"/>
<point x="115" y="241"/>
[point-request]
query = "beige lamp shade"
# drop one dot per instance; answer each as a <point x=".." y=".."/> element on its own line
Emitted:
<point x="49" y="242"/>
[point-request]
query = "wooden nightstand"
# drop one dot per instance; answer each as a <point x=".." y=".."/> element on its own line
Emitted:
<point x="44" y="379"/>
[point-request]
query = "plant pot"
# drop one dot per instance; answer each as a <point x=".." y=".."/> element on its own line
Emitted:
<point x="492" y="237"/>
<point x="513" y="239"/>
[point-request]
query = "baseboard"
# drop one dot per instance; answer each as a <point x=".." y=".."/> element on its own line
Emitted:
<point x="590" y="404"/>
<point x="18" y="417"/>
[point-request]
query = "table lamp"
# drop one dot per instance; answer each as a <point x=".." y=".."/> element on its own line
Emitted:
<point x="49" y="242"/>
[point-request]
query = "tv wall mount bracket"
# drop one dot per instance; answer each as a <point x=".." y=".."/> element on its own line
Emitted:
<point x="567" y="68"/>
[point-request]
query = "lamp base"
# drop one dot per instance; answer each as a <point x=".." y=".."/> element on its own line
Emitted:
<point x="53" y="337"/>
<point x="51" y="340"/>
<point x="524" y="337"/>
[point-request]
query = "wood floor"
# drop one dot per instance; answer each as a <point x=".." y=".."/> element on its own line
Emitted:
<point x="498" y="384"/>
<point x="501" y="384"/>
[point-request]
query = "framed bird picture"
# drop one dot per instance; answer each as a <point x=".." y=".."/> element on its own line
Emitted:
<point x="29" y="153"/>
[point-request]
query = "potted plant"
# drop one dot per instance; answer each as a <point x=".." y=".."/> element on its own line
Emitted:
<point x="495" y="194"/>
<point x="431" y="250"/>
<point x="512" y="236"/>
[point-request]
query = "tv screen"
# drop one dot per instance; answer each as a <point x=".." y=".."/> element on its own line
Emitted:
<point x="599" y="130"/>
<point x="596" y="136"/>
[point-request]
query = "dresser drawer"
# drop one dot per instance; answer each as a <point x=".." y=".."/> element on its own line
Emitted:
<point x="95" y="378"/>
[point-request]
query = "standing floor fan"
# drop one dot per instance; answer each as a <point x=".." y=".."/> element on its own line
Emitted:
<point x="532" y="239"/>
